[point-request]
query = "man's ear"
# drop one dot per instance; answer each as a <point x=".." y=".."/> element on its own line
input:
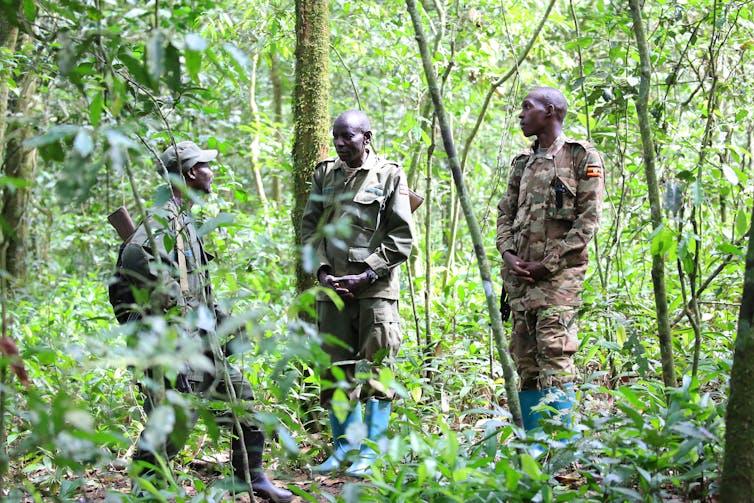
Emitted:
<point x="367" y="136"/>
<point x="190" y="175"/>
<point x="550" y="109"/>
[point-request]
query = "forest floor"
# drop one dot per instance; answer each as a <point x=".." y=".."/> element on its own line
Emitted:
<point x="100" y="483"/>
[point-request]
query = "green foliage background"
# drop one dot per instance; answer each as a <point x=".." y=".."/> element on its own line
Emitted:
<point x="117" y="79"/>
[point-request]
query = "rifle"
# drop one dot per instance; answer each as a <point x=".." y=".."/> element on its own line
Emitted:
<point x="121" y="221"/>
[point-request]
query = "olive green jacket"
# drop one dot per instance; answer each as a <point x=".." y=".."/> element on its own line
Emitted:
<point x="376" y="205"/>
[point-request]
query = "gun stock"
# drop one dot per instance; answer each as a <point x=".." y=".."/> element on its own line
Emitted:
<point x="414" y="200"/>
<point x="122" y="223"/>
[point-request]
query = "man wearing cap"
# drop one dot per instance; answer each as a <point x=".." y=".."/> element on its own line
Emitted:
<point x="370" y="195"/>
<point x="177" y="281"/>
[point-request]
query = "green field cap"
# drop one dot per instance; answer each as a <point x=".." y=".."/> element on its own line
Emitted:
<point x="187" y="153"/>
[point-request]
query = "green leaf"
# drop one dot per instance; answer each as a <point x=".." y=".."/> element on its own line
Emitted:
<point x="83" y="143"/>
<point x="156" y="55"/>
<point x="195" y="42"/>
<point x="221" y="220"/>
<point x="53" y="135"/>
<point x="662" y="240"/>
<point x="30" y="10"/>
<point x="96" y="106"/>
<point x="136" y="69"/>
<point x="730" y="174"/>
<point x="530" y="467"/>
<point x="742" y="223"/>
<point x="193" y="63"/>
<point x="698" y="193"/>
<point x="173" y="68"/>
<point x="731" y="249"/>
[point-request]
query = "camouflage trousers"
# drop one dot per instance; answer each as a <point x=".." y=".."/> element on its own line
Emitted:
<point x="542" y="345"/>
<point x="369" y="334"/>
<point x="212" y="388"/>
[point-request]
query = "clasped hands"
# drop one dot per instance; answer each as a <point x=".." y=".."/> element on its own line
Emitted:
<point x="346" y="286"/>
<point x="528" y="272"/>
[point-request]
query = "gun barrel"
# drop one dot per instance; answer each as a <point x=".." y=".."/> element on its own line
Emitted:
<point x="121" y="221"/>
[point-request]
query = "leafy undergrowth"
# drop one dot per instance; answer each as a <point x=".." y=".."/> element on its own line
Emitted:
<point x="635" y="444"/>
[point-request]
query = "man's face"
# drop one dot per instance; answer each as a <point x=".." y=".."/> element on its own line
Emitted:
<point x="350" y="141"/>
<point x="200" y="177"/>
<point x="534" y="117"/>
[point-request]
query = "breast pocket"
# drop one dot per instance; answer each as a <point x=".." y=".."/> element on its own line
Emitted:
<point x="367" y="209"/>
<point x="561" y="200"/>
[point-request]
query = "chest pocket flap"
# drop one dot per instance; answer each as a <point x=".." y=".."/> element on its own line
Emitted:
<point x="562" y="198"/>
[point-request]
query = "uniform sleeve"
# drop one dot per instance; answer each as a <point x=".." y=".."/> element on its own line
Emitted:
<point x="312" y="215"/>
<point x="141" y="265"/>
<point x="507" y="209"/>
<point x="397" y="229"/>
<point x="588" y="206"/>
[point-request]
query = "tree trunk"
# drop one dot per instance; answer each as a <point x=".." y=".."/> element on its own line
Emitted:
<point x="511" y="381"/>
<point x="18" y="163"/>
<point x="655" y="205"/>
<point x="310" y="108"/>
<point x="737" y="484"/>
<point x="8" y="36"/>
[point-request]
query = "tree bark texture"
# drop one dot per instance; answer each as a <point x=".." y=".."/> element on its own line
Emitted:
<point x="737" y="483"/>
<point x="511" y="380"/>
<point x="310" y="108"/>
<point x="655" y="205"/>
<point x="18" y="162"/>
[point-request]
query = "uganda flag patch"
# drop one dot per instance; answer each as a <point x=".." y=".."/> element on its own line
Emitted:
<point x="593" y="171"/>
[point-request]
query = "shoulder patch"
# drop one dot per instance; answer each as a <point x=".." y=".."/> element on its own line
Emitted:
<point x="593" y="171"/>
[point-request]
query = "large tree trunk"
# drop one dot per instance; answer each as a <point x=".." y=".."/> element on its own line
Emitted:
<point x="18" y="163"/>
<point x="511" y="381"/>
<point x="310" y="108"/>
<point x="737" y="484"/>
<point x="655" y="205"/>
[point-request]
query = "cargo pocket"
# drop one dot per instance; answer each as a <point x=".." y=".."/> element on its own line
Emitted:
<point x="384" y="336"/>
<point x="567" y="320"/>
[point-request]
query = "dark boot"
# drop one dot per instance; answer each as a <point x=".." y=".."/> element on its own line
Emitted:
<point x="253" y="439"/>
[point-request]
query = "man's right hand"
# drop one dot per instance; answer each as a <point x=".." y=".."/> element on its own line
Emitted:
<point x="325" y="278"/>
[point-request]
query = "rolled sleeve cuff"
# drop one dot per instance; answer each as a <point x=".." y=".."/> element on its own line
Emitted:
<point x="377" y="264"/>
<point x="552" y="262"/>
<point x="506" y="245"/>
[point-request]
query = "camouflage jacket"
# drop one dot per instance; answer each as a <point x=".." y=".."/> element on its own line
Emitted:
<point x="375" y="202"/>
<point x="550" y="212"/>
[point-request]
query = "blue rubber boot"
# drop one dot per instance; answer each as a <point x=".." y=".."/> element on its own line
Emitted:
<point x="377" y="419"/>
<point x="341" y="446"/>
<point x="563" y="403"/>
<point x="528" y="400"/>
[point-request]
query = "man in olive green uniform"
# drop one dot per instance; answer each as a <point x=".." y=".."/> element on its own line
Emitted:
<point x="550" y="212"/>
<point x="362" y="267"/>
<point x="178" y="283"/>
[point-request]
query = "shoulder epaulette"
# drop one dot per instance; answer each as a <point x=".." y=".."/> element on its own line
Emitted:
<point x="583" y="143"/>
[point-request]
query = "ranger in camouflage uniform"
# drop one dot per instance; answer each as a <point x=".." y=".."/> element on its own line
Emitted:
<point x="362" y="268"/>
<point x="550" y="212"/>
<point x="178" y="283"/>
